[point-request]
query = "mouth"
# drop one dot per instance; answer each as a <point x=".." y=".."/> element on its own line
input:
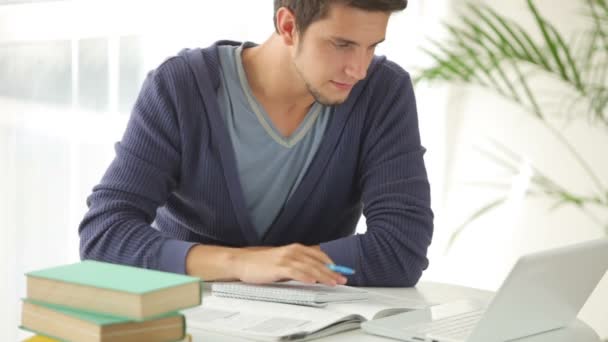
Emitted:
<point x="342" y="86"/>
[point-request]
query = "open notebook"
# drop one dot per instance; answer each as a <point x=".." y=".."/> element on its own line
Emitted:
<point x="273" y="321"/>
<point x="290" y="292"/>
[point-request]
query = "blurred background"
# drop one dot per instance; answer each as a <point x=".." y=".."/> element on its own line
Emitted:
<point x="510" y="173"/>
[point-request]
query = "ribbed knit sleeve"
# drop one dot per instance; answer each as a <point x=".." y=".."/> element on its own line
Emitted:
<point x="395" y="194"/>
<point x="117" y="227"/>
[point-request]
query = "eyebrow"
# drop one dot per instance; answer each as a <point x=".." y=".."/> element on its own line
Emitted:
<point x="351" y="42"/>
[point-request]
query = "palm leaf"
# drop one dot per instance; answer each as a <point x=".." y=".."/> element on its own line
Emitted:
<point x="489" y="50"/>
<point x="529" y="50"/>
<point x="502" y="52"/>
<point x="540" y="184"/>
<point x="477" y="214"/>
<point x="468" y="73"/>
<point x="476" y="61"/>
<point x="552" y="45"/>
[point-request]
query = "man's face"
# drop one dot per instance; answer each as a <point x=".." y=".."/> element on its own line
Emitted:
<point x="336" y="51"/>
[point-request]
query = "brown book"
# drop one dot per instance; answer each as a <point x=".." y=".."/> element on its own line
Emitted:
<point x="75" y="325"/>
<point x="116" y="290"/>
<point x="40" y="338"/>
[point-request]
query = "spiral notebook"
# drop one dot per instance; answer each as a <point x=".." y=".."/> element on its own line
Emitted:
<point x="290" y="292"/>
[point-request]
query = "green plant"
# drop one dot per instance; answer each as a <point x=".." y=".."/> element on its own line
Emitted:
<point x="489" y="50"/>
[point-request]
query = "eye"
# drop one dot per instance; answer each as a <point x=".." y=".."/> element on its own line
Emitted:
<point x="341" y="45"/>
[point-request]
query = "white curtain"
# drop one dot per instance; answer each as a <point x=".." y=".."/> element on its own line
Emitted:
<point x="69" y="73"/>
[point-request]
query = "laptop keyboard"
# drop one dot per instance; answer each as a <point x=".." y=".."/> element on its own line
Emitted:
<point x="453" y="328"/>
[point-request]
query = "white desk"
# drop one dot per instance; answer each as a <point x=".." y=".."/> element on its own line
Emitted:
<point x="434" y="293"/>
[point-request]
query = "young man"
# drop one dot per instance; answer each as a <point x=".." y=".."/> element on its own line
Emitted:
<point x="254" y="162"/>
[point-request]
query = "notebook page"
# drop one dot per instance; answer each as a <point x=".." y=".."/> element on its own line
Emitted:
<point x="378" y="305"/>
<point x="289" y="292"/>
<point x="263" y="320"/>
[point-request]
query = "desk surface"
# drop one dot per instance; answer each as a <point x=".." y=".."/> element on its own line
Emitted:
<point x="435" y="293"/>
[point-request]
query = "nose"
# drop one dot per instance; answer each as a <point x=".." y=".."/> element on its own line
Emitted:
<point x="356" y="66"/>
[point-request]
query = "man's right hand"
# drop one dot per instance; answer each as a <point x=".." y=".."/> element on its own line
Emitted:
<point x="260" y="265"/>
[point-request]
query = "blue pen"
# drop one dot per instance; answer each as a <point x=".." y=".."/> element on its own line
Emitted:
<point x="341" y="269"/>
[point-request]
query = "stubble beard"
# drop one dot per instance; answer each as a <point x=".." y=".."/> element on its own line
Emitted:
<point x="314" y="92"/>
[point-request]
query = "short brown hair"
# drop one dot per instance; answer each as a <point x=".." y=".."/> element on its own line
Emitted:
<point x="309" y="11"/>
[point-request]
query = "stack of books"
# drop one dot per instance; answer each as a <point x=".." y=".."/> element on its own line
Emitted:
<point x="96" y="301"/>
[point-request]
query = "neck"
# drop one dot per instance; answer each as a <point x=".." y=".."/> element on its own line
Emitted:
<point x="273" y="78"/>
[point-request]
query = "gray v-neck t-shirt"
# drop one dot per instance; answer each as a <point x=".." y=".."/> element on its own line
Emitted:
<point x="270" y="166"/>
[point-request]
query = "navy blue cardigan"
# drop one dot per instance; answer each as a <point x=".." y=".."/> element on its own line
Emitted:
<point x="174" y="182"/>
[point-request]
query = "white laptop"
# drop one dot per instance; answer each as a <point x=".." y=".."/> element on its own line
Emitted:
<point x="544" y="291"/>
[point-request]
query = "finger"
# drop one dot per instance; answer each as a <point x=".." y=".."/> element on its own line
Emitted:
<point x="319" y="272"/>
<point x="289" y="272"/>
<point x="322" y="268"/>
<point x="340" y="279"/>
<point x="313" y="252"/>
<point x="299" y="253"/>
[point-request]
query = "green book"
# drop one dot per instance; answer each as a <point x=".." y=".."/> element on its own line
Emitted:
<point x="116" y="290"/>
<point x="75" y="325"/>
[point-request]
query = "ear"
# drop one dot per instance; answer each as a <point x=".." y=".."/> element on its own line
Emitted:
<point x="286" y="26"/>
